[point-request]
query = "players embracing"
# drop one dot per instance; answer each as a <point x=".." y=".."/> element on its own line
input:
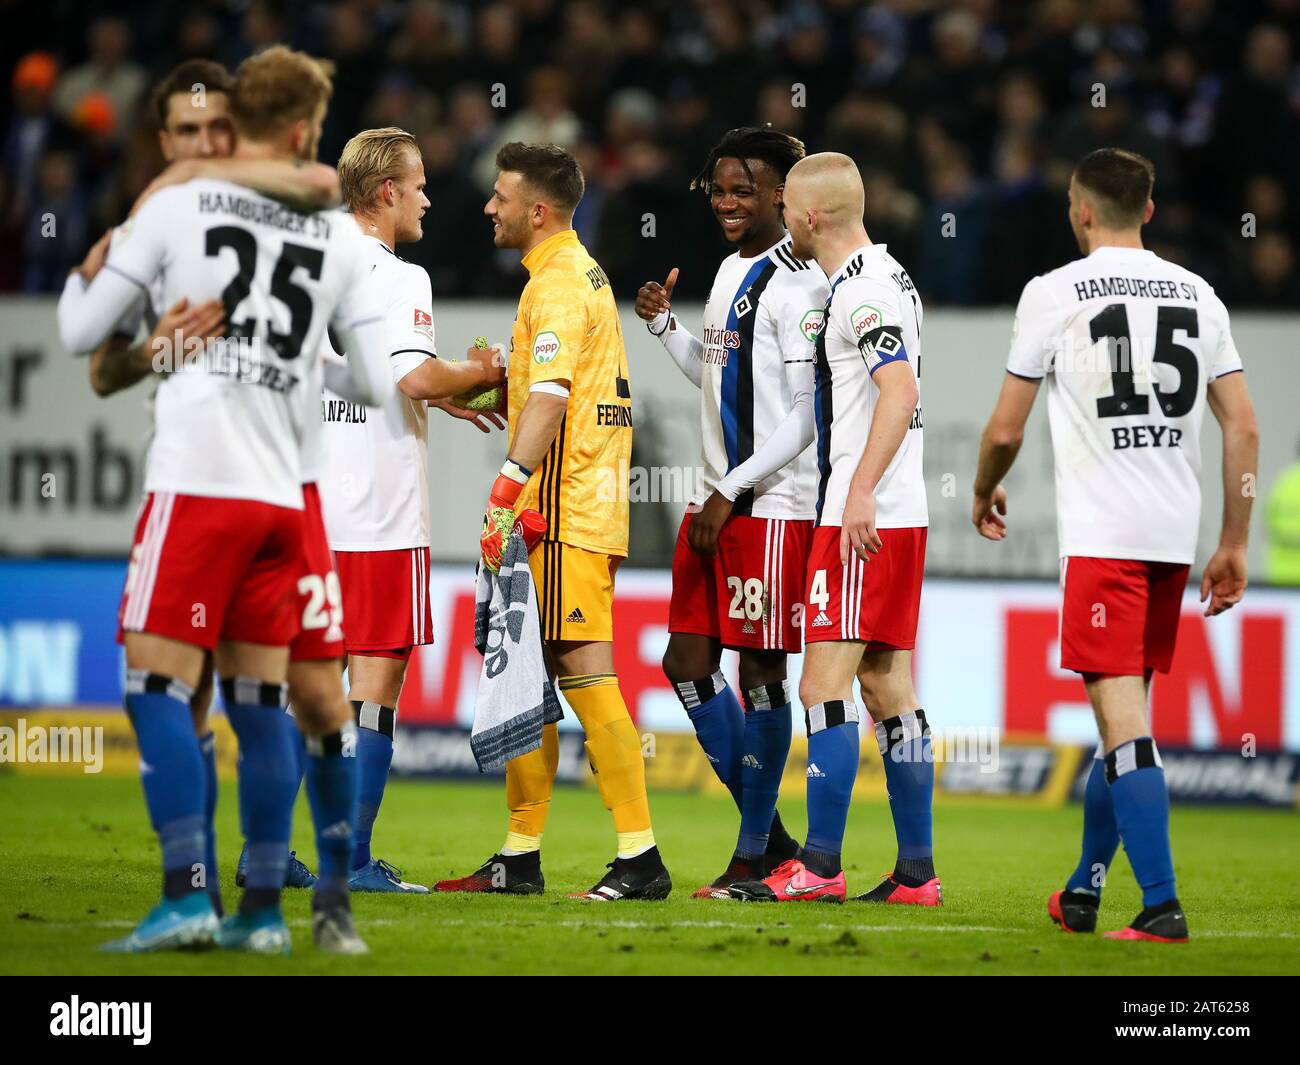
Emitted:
<point x="228" y="532"/>
<point x="738" y="566"/>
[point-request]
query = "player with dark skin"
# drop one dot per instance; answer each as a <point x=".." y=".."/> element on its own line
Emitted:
<point x="745" y="197"/>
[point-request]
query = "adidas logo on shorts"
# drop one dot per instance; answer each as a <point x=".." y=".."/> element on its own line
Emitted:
<point x="748" y="628"/>
<point x="750" y="762"/>
<point x="576" y="618"/>
<point x="813" y="771"/>
<point x="821" y="620"/>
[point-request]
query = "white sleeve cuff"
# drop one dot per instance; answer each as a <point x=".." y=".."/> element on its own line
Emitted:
<point x="551" y="388"/>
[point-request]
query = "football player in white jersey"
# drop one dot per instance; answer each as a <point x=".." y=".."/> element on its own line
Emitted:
<point x="738" y="565"/>
<point x="1132" y="348"/>
<point x="196" y="137"/>
<point x="863" y="577"/>
<point x="220" y="544"/>
<point x="376" y="493"/>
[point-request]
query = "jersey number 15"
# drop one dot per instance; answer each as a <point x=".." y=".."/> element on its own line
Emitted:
<point x="1111" y="325"/>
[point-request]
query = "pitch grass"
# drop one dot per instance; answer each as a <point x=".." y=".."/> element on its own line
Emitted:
<point x="78" y="867"/>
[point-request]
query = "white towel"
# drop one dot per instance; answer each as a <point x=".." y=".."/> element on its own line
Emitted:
<point x="515" y="696"/>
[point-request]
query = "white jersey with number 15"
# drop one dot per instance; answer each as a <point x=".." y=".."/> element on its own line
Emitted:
<point x="1128" y="344"/>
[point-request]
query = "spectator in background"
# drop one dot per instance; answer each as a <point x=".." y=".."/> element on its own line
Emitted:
<point x="1258" y="125"/>
<point x="545" y="119"/>
<point x="458" y="255"/>
<point x="57" y="228"/>
<point x="1271" y="282"/>
<point x="358" y="65"/>
<point x="1026" y="232"/>
<point x="261" y="27"/>
<point x="588" y="52"/>
<point x="1209" y="90"/>
<point x="892" y="214"/>
<point x="398" y="102"/>
<point x="879" y="47"/>
<point x="427" y="43"/>
<point x="955" y="83"/>
<point x="952" y="234"/>
<point x="33" y="129"/>
<point x="108" y="72"/>
<point x="472" y="121"/>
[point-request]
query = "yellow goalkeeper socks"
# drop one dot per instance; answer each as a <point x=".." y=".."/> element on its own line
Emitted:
<point x="615" y="752"/>
<point x="530" y="779"/>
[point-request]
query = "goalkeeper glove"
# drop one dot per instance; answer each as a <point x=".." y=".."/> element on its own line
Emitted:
<point x="499" y="518"/>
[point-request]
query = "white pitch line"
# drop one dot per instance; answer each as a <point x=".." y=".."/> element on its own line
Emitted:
<point x="301" y="922"/>
<point x="744" y="926"/>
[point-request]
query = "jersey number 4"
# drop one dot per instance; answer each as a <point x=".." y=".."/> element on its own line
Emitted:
<point x="1111" y="325"/>
<point x="297" y="299"/>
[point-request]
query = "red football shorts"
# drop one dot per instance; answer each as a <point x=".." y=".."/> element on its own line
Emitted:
<point x="1119" y="616"/>
<point x="320" y="600"/>
<point x="387" y="593"/>
<point x="205" y="569"/>
<point x="747" y="595"/>
<point x="876" y="600"/>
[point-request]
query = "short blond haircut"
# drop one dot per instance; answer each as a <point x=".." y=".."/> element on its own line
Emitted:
<point x="277" y="88"/>
<point x="372" y="157"/>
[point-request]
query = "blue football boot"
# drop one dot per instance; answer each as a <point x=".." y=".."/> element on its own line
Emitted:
<point x="259" y="932"/>
<point x="174" y="924"/>
<point x="378" y="875"/>
<point x="296" y="874"/>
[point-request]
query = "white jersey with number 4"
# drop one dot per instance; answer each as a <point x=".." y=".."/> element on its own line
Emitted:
<point x="375" y="491"/>
<point x="1128" y="343"/>
<point x="230" y="422"/>
<point x="873" y="318"/>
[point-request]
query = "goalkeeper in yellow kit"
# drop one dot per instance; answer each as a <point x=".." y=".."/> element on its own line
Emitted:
<point x="570" y="447"/>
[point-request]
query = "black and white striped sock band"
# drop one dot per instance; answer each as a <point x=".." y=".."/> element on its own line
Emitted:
<point x="376" y="718"/>
<point x="1131" y="756"/>
<point x="826" y="715"/>
<point x="693" y="692"/>
<point x="141" y="681"/>
<point x="249" y="691"/>
<point x="768" y="696"/>
<point x="895" y="731"/>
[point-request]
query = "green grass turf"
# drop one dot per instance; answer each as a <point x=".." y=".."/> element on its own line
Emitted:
<point x="78" y="866"/>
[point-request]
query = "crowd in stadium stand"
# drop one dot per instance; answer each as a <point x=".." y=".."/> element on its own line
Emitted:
<point x="965" y="119"/>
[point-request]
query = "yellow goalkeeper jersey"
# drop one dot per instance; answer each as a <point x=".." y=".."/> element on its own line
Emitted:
<point x="567" y="329"/>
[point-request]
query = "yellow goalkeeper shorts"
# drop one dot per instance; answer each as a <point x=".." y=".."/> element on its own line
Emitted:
<point x="575" y="591"/>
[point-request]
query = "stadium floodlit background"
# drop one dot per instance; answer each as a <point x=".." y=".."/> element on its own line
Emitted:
<point x="965" y="120"/>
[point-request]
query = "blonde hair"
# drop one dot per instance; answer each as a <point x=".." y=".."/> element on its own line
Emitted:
<point x="276" y="88"/>
<point x="369" y="159"/>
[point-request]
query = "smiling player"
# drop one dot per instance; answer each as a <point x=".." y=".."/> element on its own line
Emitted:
<point x="738" y="564"/>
